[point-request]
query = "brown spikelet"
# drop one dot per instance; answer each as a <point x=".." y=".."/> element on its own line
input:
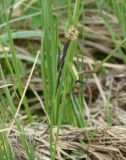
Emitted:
<point x="72" y="34"/>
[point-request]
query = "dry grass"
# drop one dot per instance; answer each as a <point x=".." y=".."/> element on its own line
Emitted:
<point x="94" y="143"/>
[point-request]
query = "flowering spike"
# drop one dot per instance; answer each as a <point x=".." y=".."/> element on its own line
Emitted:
<point x="72" y="33"/>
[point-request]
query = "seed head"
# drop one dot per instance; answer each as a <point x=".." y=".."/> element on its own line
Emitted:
<point x="72" y="33"/>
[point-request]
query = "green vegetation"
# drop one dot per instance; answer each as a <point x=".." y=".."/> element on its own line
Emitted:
<point x="45" y="26"/>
